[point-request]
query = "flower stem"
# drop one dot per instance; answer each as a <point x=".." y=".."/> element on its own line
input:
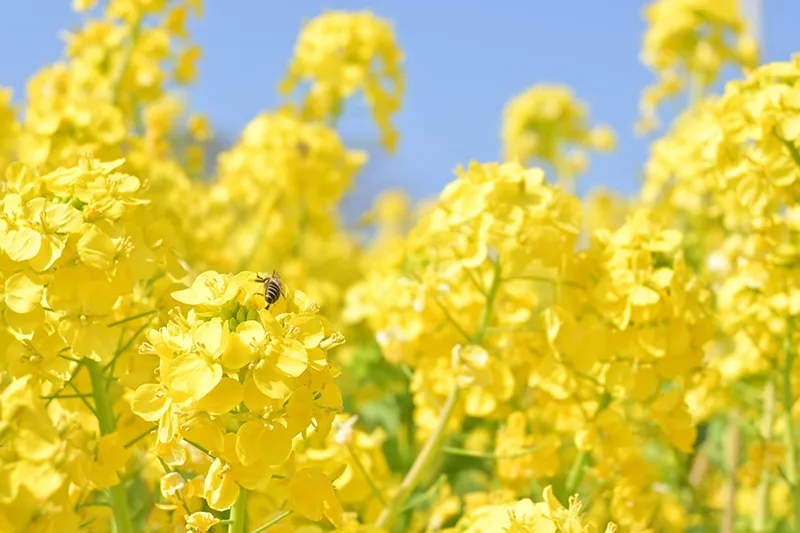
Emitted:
<point x="433" y="446"/>
<point x="583" y="458"/>
<point x="364" y="472"/>
<point x="272" y="522"/>
<point x="108" y="423"/>
<point x="422" y="464"/>
<point x="791" y="444"/>
<point x="487" y="310"/>
<point x="576" y="473"/>
<point x="238" y="511"/>
<point x="762" y="492"/>
<point x="731" y="447"/>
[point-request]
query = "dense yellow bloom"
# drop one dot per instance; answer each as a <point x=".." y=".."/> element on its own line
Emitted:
<point x="240" y="382"/>
<point x="341" y="53"/>
<point x="547" y="124"/>
<point x="526" y="516"/>
<point x="689" y="42"/>
<point x="503" y="339"/>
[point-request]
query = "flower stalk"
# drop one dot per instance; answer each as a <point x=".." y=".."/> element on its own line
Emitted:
<point x="104" y="410"/>
<point x="238" y="513"/>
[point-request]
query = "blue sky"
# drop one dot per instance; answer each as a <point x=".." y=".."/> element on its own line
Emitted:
<point x="464" y="60"/>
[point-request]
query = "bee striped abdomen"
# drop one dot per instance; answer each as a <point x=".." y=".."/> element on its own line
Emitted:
<point x="273" y="292"/>
<point x="273" y="287"/>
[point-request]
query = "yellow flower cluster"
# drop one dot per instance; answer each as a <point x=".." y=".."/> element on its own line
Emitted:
<point x="525" y="516"/>
<point x="239" y="383"/>
<point x="687" y="44"/>
<point x="79" y="266"/>
<point x="547" y="124"/>
<point x="564" y="345"/>
<point x="341" y="53"/>
<point x="167" y="334"/>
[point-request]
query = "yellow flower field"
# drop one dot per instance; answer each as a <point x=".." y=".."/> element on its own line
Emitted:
<point x="503" y="358"/>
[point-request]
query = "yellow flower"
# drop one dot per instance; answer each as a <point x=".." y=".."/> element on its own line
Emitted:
<point x="311" y="494"/>
<point x="201" y="521"/>
<point x="341" y="53"/>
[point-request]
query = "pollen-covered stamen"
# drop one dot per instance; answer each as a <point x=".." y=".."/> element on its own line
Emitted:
<point x="336" y="339"/>
<point x="203" y="350"/>
<point x="292" y="331"/>
<point x="177" y="317"/>
<point x="216" y="286"/>
<point x="41" y="224"/>
<point x="86" y="162"/>
<point x="124" y="248"/>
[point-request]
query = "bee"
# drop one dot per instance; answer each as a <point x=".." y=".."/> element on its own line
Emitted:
<point x="273" y="287"/>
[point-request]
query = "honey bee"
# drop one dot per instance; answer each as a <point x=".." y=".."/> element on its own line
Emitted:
<point x="273" y="287"/>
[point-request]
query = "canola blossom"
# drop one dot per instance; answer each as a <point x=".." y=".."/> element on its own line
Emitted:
<point x="503" y="357"/>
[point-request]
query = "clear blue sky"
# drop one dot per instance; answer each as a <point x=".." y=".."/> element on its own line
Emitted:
<point x="464" y="60"/>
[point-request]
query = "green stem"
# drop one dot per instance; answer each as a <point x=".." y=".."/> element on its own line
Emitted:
<point x="731" y="447"/>
<point x="791" y="444"/>
<point x="763" y="490"/>
<point x="583" y="459"/>
<point x="364" y="472"/>
<point x="238" y="512"/>
<point x="487" y="309"/>
<point x="422" y="464"/>
<point x="433" y="446"/>
<point x="576" y="473"/>
<point x="272" y="522"/>
<point x="108" y="423"/>
<point x="133" y="317"/>
<point x="489" y="455"/>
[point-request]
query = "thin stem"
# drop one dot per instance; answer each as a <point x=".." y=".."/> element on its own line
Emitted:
<point x="732" y="445"/>
<point x="487" y="310"/>
<point x="763" y="490"/>
<point x="583" y="458"/>
<point x="433" y="446"/>
<point x="426" y="496"/>
<point x="791" y="444"/>
<point x="66" y="396"/>
<point x="108" y="424"/>
<point x="83" y="398"/>
<point x="238" y="512"/>
<point x="364" y="472"/>
<point x="422" y="464"/>
<point x="199" y="447"/>
<point x="140" y="437"/>
<point x="575" y="475"/>
<point x="272" y="522"/>
<point x="489" y="455"/>
<point x="450" y="318"/>
<point x="122" y="349"/>
<point x="131" y="318"/>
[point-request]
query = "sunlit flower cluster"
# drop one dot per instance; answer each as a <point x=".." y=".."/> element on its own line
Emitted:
<point x="687" y="44"/>
<point x="339" y="54"/>
<point x="547" y="124"/>
<point x="524" y="515"/>
<point x="239" y="383"/>
<point x="191" y="347"/>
